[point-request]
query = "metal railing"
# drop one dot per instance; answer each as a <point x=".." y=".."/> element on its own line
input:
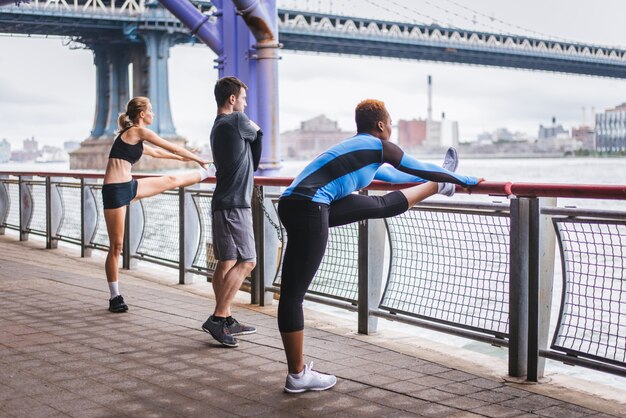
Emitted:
<point x="478" y="270"/>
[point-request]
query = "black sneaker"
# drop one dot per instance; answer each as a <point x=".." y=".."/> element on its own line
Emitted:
<point x="219" y="330"/>
<point x="237" y="328"/>
<point x="117" y="304"/>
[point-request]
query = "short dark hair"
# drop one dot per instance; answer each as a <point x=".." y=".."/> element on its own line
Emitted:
<point x="368" y="113"/>
<point x="227" y="86"/>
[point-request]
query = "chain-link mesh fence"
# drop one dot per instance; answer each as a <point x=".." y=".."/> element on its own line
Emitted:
<point x="160" y="238"/>
<point x="592" y="322"/>
<point x="13" y="193"/>
<point x="38" y="217"/>
<point x="71" y="216"/>
<point x="450" y="267"/>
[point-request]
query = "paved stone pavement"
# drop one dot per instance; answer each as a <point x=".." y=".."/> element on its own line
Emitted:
<point x="63" y="354"/>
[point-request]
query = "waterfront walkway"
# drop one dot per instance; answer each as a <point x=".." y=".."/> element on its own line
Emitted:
<point x="63" y="354"/>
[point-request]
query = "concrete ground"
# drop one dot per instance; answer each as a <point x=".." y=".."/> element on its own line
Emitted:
<point x="63" y="354"/>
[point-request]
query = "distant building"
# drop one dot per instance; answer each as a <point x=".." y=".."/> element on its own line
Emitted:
<point x="552" y="132"/>
<point x="556" y="138"/>
<point x="441" y="134"/>
<point x="30" y="145"/>
<point x="314" y="136"/>
<point x="502" y="136"/>
<point x="586" y="136"/>
<point x="50" y="154"/>
<point x="69" y="146"/>
<point x="411" y="133"/>
<point x="5" y="151"/>
<point x="611" y="129"/>
<point x="29" y="152"/>
<point x="449" y="133"/>
<point x="484" y="138"/>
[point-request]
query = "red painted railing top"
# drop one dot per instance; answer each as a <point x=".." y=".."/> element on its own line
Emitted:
<point x="581" y="191"/>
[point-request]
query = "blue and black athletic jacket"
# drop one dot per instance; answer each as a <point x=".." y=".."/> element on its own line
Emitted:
<point x="352" y="165"/>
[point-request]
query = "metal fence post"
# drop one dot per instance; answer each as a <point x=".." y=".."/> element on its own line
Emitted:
<point x="133" y="224"/>
<point x="54" y="212"/>
<point x="258" y="222"/>
<point x="363" y="297"/>
<point x="49" y="243"/>
<point x="518" y="287"/>
<point x="4" y="205"/>
<point x="182" y="267"/>
<point x="371" y="244"/>
<point x="267" y="239"/>
<point x="26" y="207"/>
<point x="126" y="245"/>
<point x="189" y="234"/>
<point x="89" y="211"/>
<point x="542" y="247"/>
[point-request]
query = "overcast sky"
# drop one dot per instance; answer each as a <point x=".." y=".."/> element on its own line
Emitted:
<point x="47" y="90"/>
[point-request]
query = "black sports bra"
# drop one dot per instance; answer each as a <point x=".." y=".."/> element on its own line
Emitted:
<point x="124" y="151"/>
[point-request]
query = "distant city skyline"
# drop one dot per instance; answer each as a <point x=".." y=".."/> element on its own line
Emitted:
<point x="47" y="90"/>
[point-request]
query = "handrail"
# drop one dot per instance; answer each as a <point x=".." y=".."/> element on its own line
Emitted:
<point x="507" y="241"/>
<point x="505" y="189"/>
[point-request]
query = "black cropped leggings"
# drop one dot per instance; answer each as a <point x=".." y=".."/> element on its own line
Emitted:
<point x="307" y="226"/>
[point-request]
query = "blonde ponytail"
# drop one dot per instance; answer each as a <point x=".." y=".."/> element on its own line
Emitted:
<point x="133" y="108"/>
<point x="123" y="122"/>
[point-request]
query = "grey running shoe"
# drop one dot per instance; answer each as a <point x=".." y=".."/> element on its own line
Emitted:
<point x="451" y="160"/>
<point x="117" y="304"/>
<point x="310" y="380"/>
<point x="219" y="330"/>
<point x="236" y="328"/>
<point x="446" y="189"/>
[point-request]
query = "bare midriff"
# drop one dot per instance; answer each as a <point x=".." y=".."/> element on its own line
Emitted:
<point x="118" y="171"/>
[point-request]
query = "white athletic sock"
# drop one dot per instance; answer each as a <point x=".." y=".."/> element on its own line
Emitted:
<point x="298" y="375"/>
<point x="204" y="173"/>
<point x="114" y="289"/>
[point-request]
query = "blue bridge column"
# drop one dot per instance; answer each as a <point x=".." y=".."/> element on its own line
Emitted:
<point x="149" y="54"/>
<point x="101" y="61"/>
<point x="140" y="70"/>
<point x="157" y="52"/>
<point x="118" y="86"/>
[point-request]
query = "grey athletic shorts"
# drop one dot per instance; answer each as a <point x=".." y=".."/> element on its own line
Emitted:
<point x="233" y="236"/>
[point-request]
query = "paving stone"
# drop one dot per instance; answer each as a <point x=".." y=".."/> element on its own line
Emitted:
<point x="498" y="411"/>
<point x="531" y="403"/>
<point x="155" y="361"/>
<point x="463" y="403"/>
<point x="570" y="411"/>
<point x="433" y="395"/>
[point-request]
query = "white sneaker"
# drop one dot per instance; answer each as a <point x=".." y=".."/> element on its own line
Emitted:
<point x="451" y="160"/>
<point x="309" y="380"/>
<point x="446" y="189"/>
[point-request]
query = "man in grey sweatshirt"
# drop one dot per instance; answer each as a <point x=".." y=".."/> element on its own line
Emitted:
<point x="236" y="148"/>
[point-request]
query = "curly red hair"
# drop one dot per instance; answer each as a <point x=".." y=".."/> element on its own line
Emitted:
<point x="368" y="113"/>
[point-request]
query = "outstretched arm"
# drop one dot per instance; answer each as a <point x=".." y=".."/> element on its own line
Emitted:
<point x="161" y="153"/>
<point x="394" y="155"/>
<point x="168" y="150"/>
<point x="256" y="148"/>
<point x="391" y="175"/>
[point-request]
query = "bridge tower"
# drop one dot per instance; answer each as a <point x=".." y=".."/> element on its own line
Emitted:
<point x="244" y="35"/>
<point x="147" y="49"/>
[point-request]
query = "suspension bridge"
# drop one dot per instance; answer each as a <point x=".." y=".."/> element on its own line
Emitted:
<point x="141" y="33"/>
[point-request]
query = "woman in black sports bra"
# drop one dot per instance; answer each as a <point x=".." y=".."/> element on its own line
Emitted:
<point x="120" y="189"/>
